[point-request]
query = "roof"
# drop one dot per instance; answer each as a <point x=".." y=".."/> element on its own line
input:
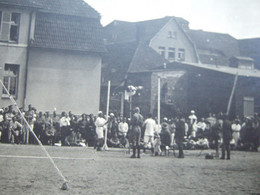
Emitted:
<point x="145" y="59"/>
<point x="216" y="48"/>
<point x="122" y="31"/>
<point x="251" y="48"/>
<point x="23" y="3"/>
<point x="116" y="62"/>
<point x="242" y="58"/>
<point x="68" y="32"/>
<point x="224" y="69"/>
<point x="65" y="7"/>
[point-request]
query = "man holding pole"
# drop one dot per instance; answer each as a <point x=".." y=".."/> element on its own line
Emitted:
<point x="135" y="133"/>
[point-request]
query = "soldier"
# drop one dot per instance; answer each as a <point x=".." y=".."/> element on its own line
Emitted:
<point x="135" y="134"/>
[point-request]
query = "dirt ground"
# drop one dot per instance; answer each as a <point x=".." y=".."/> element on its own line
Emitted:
<point x="113" y="172"/>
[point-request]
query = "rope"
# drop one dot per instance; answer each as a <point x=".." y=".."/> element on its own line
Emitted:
<point x="31" y="130"/>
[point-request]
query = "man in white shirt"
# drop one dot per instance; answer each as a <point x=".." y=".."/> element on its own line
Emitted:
<point x="100" y="127"/>
<point x="192" y="124"/>
<point x="150" y="127"/>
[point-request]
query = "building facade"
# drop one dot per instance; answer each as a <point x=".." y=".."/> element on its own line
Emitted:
<point x="51" y="54"/>
<point x="141" y="52"/>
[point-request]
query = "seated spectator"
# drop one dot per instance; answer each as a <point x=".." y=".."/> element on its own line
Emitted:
<point x="114" y="141"/>
<point x="201" y="128"/>
<point x="15" y="128"/>
<point x="122" y="132"/>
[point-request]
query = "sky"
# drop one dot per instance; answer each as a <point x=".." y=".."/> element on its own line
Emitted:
<point x="239" y="18"/>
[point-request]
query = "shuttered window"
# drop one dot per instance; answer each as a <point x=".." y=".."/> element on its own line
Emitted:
<point x="10" y="26"/>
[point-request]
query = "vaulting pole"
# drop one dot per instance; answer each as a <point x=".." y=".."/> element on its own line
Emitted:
<point x="232" y="94"/>
<point x="159" y="101"/>
<point x="105" y="147"/>
<point x="64" y="185"/>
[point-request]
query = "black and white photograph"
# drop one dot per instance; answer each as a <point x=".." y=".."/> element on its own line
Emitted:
<point x="130" y="97"/>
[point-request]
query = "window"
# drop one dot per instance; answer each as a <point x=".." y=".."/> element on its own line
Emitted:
<point x="181" y="54"/>
<point x="10" y="26"/>
<point x="11" y="76"/>
<point x="171" y="54"/>
<point x="172" y="35"/>
<point x="162" y="51"/>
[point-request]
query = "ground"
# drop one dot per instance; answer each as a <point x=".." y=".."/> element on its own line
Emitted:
<point x="24" y="169"/>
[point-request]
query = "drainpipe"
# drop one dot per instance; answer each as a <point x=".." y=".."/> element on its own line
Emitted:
<point x="27" y="59"/>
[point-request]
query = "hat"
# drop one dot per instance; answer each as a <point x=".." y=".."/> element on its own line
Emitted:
<point x="165" y="119"/>
<point x="112" y="114"/>
<point x="192" y="112"/>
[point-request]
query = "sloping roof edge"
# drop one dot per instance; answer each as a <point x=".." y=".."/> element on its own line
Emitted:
<point x="224" y="69"/>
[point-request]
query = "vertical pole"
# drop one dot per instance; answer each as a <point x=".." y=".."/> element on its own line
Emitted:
<point x="107" y="111"/>
<point x="122" y="104"/>
<point x="159" y="101"/>
<point x="130" y="106"/>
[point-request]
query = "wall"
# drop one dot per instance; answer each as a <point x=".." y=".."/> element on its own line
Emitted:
<point x="15" y="53"/>
<point x="180" y="42"/>
<point x="63" y="80"/>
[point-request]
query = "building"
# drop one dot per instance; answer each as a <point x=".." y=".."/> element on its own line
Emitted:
<point x="50" y="54"/>
<point x="141" y="52"/>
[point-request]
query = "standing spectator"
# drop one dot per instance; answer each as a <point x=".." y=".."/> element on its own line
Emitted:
<point x="227" y="136"/>
<point x="192" y="124"/>
<point x="100" y="127"/>
<point x="83" y="127"/>
<point x="39" y="126"/>
<point x="216" y="134"/>
<point x="56" y="126"/>
<point x="150" y="127"/>
<point x="179" y="136"/>
<point x="49" y="130"/>
<point x="112" y="126"/>
<point x="165" y="135"/>
<point x="236" y="127"/>
<point x="135" y="134"/>
<point x="5" y="126"/>
<point x="64" y="126"/>
<point x="30" y="117"/>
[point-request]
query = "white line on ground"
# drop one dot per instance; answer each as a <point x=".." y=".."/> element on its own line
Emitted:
<point x="44" y="157"/>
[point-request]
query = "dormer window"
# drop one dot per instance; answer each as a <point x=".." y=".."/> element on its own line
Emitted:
<point x="9" y="29"/>
<point x="172" y="34"/>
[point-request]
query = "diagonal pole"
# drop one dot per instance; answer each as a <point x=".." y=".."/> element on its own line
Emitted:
<point x="64" y="186"/>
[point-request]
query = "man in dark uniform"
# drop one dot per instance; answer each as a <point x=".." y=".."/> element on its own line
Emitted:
<point x="227" y="136"/>
<point x="135" y="133"/>
<point x="179" y="135"/>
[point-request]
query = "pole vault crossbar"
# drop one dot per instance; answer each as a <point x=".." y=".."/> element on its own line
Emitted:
<point x="64" y="185"/>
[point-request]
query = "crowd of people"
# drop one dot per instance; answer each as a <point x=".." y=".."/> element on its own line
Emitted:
<point x="67" y="129"/>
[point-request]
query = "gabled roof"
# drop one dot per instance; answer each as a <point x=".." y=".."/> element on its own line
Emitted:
<point x="121" y="31"/>
<point x="68" y="32"/>
<point x="221" y="46"/>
